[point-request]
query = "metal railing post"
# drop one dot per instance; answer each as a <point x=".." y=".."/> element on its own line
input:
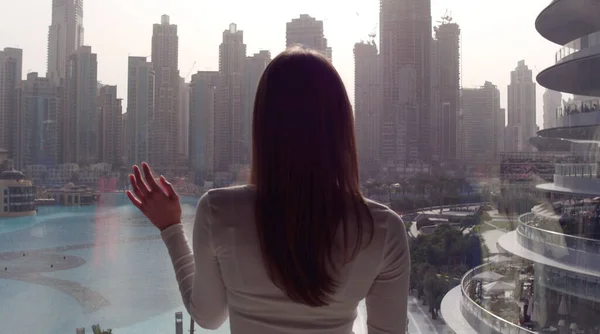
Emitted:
<point x="192" y="323"/>
<point x="178" y="323"/>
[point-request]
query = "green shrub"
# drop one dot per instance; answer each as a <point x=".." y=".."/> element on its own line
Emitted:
<point x="97" y="330"/>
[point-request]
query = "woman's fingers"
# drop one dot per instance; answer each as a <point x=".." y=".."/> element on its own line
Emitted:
<point x="134" y="200"/>
<point x="134" y="186"/>
<point x="140" y="180"/>
<point x="169" y="188"/>
<point x="132" y="180"/>
<point x="150" y="178"/>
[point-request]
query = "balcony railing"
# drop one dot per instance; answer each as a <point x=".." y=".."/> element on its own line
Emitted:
<point x="577" y="45"/>
<point x="578" y="107"/>
<point x="577" y="170"/>
<point x="573" y="284"/>
<point x="482" y="320"/>
<point x="570" y="250"/>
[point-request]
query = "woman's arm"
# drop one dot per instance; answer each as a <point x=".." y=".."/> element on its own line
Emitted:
<point x="388" y="297"/>
<point x="198" y="273"/>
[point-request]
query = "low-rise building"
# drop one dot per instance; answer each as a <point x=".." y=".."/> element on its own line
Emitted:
<point x="17" y="195"/>
<point x="71" y="194"/>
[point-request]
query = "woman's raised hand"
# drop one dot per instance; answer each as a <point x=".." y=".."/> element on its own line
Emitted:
<point x="160" y="203"/>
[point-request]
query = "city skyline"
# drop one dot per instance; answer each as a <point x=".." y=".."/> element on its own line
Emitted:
<point x="472" y="132"/>
<point x="343" y="26"/>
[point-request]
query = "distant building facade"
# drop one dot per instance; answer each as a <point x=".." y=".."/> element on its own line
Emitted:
<point x="306" y="31"/>
<point x="11" y="67"/>
<point x="405" y="42"/>
<point x="203" y="93"/>
<point x="140" y="107"/>
<point x="521" y="108"/>
<point x="445" y="92"/>
<point x="65" y="36"/>
<point x="111" y="125"/>
<point x="229" y="114"/>
<point x="367" y="105"/>
<point x="480" y="114"/>
<point x="183" y="118"/>
<point x="162" y="149"/>
<point x="552" y="101"/>
<point x="80" y="119"/>
<point x="253" y="70"/>
<point x="37" y="130"/>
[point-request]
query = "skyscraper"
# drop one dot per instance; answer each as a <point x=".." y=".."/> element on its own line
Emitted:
<point x="203" y="91"/>
<point x="183" y="118"/>
<point x="253" y="70"/>
<point x="367" y="105"/>
<point x="140" y="106"/>
<point x="405" y="41"/>
<point x="552" y="100"/>
<point x="229" y="113"/>
<point x="499" y="132"/>
<point x="306" y="31"/>
<point x="163" y="119"/>
<point x="80" y="121"/>
<point x="11" y="67"/>
<point x="521" y="108"/>
<point x="111" y="125"/>
<point x="445" y="91"/>
<point x="480" y="115"/>
<point x="124" y="137"/>
<point x="65" y="36"/>
<point x="38" y="125"/>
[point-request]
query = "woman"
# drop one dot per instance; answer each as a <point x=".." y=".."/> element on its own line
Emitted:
<point x="297" y="249"/>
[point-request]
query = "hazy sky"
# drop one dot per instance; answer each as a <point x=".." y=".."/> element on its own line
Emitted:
<point x="495" y="34"/>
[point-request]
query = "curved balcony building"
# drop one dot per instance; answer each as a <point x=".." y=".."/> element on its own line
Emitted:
<point x="548" y="276"/>
<point x="574" y="25"/>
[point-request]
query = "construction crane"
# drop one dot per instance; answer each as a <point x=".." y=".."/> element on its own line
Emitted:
<point x="190" y="71"/>
<point x="373" y="34"/>
<point x="446" y="19"/>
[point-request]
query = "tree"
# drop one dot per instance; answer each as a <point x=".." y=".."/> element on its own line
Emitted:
<point x="417" y="277"/>
<point x="435" y="287"/>
<point x="97" y="330"/>
<point x="438" y="262"/>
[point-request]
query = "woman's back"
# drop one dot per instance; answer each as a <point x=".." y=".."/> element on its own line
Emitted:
<point x="298" y="249"/>
<point x="256" y="305"/>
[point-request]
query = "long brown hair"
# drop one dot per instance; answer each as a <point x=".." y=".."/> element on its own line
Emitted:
<point x="305" y="171"/>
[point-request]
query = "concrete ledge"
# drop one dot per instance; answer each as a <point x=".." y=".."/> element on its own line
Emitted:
<point x="452" y="315"/>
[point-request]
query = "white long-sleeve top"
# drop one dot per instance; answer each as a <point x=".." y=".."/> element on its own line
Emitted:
<point x="224" y="276"/>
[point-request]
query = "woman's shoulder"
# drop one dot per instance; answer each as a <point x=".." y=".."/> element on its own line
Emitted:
<point x="382" y="215"/>
<point x="227" y="197"/>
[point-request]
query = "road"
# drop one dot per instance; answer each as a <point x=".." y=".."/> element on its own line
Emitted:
<point x="420" y="321"/>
